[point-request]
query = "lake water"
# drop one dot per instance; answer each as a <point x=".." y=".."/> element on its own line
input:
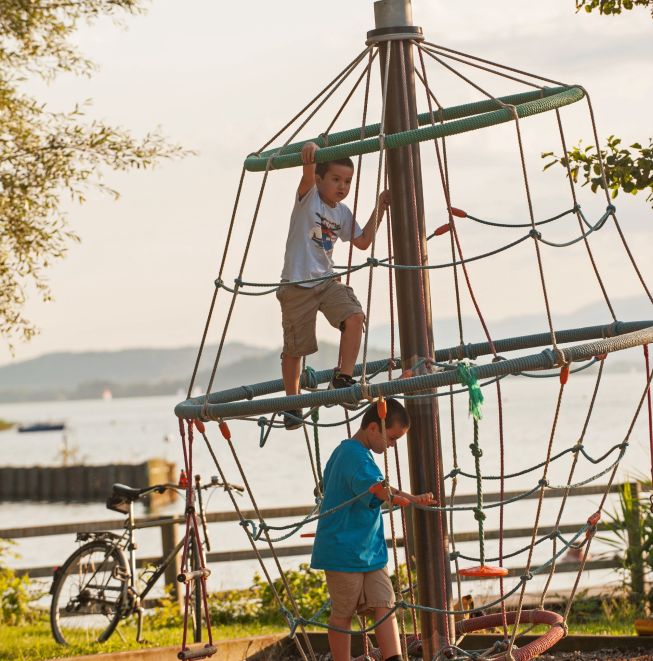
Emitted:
<point x="133" y="430"/>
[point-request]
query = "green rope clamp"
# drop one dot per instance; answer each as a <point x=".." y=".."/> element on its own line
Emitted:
<point x="468" y="378"/>
<point x="310" y="378"/>
<point x="476" y="450"/>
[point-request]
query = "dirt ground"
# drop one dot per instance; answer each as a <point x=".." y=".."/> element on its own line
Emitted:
<point x="604" y="655"/>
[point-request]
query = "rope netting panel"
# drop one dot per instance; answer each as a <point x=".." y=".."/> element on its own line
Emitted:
<point x="469" y="371"/>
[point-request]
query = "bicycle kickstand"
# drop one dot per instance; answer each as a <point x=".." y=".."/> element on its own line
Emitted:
<point x="139" y="627"/>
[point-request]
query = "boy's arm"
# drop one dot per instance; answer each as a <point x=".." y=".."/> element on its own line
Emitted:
<point x="401" y="498"/>
<point x="308" y="175"/>
<point x="364" y="241"/>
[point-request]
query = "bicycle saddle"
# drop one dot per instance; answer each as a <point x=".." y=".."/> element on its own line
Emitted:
<point x="127" y="492"/>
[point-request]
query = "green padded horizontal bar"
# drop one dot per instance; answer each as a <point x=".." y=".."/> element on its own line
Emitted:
<point x="458" y="119"/>
<point x="546" y="359"/>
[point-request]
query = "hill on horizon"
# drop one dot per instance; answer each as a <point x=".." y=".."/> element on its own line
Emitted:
<point x="134" y="372"/>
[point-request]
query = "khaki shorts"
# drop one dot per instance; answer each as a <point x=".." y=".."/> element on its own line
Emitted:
<point x="299" y="308"/>
<point x="359" y="592"/>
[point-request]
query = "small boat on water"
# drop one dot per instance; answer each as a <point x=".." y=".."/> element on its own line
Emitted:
<point x="42" y="426"/>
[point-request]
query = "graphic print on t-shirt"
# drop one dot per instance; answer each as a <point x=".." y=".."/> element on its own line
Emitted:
<point x="325" y="233"/>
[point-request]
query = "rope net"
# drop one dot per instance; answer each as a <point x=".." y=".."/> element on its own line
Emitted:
<point x="545" y="463"/>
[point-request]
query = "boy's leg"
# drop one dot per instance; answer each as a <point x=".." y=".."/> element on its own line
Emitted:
<point x="343" y="310"/>
<point x="387" y="634"/>
<point x="299" y="307"/>
<point x="350" y="342"/>
<point x="345" y="591"/>
<point x="379" y="598"/>
<point x="291" y="367"/>
<point x="340" y="643"/>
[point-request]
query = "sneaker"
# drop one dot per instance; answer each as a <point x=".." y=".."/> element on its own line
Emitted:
<point x="340" y="380"/>
<point x="292" y="419"/>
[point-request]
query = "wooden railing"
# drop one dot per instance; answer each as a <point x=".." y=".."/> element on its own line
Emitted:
<point x="169" y="534"/>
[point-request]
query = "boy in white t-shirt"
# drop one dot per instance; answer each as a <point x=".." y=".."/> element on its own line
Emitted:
<point x="318" y="220"/>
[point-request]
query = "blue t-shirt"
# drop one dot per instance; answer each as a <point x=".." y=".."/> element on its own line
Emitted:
<point x="351" y="539"/>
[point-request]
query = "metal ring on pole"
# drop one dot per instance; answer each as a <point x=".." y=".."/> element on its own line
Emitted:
<point x="467" y="117"/>
<point x="400" y="33"/>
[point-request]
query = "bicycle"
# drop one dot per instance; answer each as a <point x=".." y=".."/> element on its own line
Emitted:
<point x="96" y="587"/>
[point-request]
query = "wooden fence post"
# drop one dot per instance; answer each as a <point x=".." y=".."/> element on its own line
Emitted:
<point x="634" y="552"/>
<point x="169" y="539"/>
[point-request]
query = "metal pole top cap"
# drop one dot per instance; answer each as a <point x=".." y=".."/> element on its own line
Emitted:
<point x="393" y="20"/>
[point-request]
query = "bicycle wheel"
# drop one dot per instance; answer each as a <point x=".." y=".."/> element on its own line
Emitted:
<point x="88" y="593"/>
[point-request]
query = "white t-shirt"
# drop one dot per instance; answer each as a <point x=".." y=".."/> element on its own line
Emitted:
<point x="314" y="229"/>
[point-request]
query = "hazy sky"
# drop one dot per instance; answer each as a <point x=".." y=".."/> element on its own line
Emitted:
<point x="220" y="78"/>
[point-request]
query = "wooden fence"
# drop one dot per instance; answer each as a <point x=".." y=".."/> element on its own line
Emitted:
<point x="83" y="483"/>
<point x="169" y="535"/>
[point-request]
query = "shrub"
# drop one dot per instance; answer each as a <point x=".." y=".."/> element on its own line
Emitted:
<point x="16" y="593"/>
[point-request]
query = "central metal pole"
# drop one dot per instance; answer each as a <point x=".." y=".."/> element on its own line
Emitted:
<point x="395" y="31"/>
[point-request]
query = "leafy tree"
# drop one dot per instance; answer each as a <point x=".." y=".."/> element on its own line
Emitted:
<point x="45" y="156"/>
<point x="612" y="7"/>
<point x="628" y="171"/>
<point x="625" y="170"/>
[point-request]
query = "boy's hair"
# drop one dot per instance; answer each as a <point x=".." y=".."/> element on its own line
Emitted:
<point x="322" y="168"/>
<point x="396" y="414"/>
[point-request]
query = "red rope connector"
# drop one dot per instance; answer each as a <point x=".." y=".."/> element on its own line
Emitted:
<point x="484" y="571"/>
<point x="592" y="523"/>
<point x="183" y="479"/>
<point x="224" y="430"/>
<point x="200" y="425"/>
<point x="601" y="356"/>
<point x="564" y="374"/>
<point x="459" y="213"/>
<point x="382" y="408"/>
<point x="443" y="229"/>
<point x="407" y="374"/>
<point x="307" y="534"/>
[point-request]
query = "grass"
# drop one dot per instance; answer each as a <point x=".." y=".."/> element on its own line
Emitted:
<point x="34" y="642"/>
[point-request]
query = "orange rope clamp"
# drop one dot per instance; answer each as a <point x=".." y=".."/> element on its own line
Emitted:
<point x="594" y="519"/>
<point x="183" y="479"/>
<point x="224" y="430"/>
<point x="564" y="374"/>
<point x="407" y="374"/>
<point x="382" y="408"/>
<point x="378" y="489"/>
<point x="601" y="356"/>
<point x="592" y="522"/>
<point x="200" y="425"/>
<point x="458" y="212"/>
<point x="443" y="229"/>
<point x="484" y="571"/>
<point x="307" y="534"/>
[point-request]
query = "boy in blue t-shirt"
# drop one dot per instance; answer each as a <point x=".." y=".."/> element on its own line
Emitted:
<point x="350" y="543"/>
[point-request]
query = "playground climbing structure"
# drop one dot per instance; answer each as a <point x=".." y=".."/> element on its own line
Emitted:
<point x="430" y="611"/>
